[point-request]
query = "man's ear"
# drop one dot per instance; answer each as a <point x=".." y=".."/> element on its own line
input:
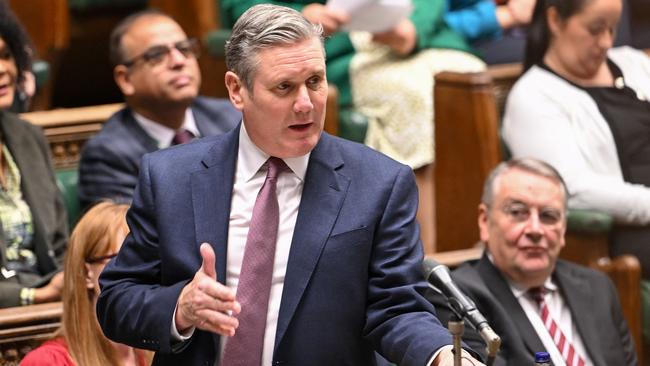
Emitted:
<point x="123" y="79"/>
<point x="90" y="285"/>
<point x="236" y="90"/>
<point x="483" y="224"/>
<point x="553" y="20"/>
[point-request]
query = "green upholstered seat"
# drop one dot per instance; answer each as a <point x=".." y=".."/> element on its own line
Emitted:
<point x="67" y="180"/>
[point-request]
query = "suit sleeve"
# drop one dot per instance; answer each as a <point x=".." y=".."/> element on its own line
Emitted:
<point x="627" y="343"/>
<point x="400" y="322"/>
<point x="133" y="307"/>
<point x="103" y="174"/>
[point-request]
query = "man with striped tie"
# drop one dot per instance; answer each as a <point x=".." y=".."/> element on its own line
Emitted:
<point x="532" y="299"/>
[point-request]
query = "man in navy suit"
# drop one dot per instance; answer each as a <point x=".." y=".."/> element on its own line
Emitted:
<point x="346" y="278"/>
<point x="157" y="71"/>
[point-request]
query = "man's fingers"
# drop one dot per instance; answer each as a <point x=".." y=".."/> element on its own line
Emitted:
<point x="209" y="259"/>
<point x="218" y="322"/>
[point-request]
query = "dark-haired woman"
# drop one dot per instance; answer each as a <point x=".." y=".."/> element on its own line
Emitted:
<point x="583" y="107"/>
<point x="33" y="230"/>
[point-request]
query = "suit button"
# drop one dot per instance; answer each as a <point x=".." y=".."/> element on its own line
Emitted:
<point x="276" y="363"/>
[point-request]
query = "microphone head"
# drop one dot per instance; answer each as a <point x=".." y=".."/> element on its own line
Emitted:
<point x="435" y="273"/>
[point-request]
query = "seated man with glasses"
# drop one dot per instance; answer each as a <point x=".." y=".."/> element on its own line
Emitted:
<point x="533" y="300"/>
<point x="157" y="71"/>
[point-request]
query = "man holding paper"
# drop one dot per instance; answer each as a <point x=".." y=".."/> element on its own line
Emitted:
<point x="386" y="75"/>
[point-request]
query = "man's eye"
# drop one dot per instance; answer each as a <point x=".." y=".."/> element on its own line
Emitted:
<point x="550" y="217"/>
<point x="284" y="86"/>
<point x="156" y="53"/>
<point x="314" y="82"/>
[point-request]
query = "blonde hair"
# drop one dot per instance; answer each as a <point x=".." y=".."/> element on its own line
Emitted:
<point x="96" y="235"/>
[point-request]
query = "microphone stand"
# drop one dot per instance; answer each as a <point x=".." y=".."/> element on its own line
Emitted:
<point x="456" y="328"/>
<point x="493" y="343"/>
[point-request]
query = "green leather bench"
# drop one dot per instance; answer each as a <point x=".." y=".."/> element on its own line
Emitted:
<point x="67" y="180"/>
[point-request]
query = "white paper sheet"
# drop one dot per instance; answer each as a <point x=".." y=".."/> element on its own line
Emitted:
<point x="374" y="16"/>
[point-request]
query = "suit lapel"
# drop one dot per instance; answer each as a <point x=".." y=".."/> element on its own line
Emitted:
<point x="323" y="193"/>
<point x="579" y="296"/>
<point x="501" y="290"/>
<point x="212" y="196"/>
<point x="32" y="177"/>
<point x="149" y="143"/>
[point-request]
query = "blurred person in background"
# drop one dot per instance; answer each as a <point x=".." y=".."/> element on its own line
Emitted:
<point x="582" y="106"/>
<point x="34" y="226"/>
<point x="95" y="240"/>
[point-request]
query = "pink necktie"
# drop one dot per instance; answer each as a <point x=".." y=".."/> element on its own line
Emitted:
<point x="253" y="291"/>
<point x="566" y="348"/>
<point x="182" y="136"/>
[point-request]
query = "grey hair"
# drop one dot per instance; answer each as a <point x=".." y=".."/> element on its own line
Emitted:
<point x="264" y="26"/>
<point x="530" y="165"/>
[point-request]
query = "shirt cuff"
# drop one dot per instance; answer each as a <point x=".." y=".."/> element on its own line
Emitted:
<point x="176" y="335"/>
<point x="449" y="347"/>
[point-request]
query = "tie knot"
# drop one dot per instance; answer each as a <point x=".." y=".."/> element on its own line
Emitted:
<point x="276" y="166"/>
<point x="537" y="293"/>
<point x="182" y="136"/>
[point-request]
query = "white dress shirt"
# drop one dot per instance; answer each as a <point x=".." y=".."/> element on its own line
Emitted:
<point x="163" y="134"/>
<point x="248" y="182"/>
<point x="560" y="312"/>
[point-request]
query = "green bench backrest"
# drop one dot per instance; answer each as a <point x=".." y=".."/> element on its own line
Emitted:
<point x="67" y="180"/>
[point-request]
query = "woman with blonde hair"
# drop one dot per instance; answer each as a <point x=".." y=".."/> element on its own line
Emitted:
<point x="95" y="240"/>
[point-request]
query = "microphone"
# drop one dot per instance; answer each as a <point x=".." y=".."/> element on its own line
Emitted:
<point x="438" y="276"/>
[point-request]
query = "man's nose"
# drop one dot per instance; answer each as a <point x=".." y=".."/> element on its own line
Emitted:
<point x="303" y="102"/>
<point x="175" y="57"/>
<point x="534" y="228"/>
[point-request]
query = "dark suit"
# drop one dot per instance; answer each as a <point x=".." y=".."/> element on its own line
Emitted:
<point x="353" y="273"/>
<point x="31" y="153"/>
<point x="110" y="161"/>
<point x="589" y="294"/>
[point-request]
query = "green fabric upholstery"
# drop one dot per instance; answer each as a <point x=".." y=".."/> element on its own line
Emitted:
<point x="352" y="125"/>
<point x="589" y="222"/>
<point x="216" y="41"/>
<point x="645" y="310"/>
<point x="41" y="70"/>
<point x="67" y="180"/>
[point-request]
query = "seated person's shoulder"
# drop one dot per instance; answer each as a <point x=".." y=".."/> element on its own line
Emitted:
<point x="52" y="352"/>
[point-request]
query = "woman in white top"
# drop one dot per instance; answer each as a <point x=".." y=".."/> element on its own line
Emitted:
<point x="583" y="107"/>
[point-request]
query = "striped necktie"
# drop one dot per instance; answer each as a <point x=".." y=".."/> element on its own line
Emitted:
<point x="563" y="345"/>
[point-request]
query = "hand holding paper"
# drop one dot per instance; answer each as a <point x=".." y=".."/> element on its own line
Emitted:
<point x="375" y="16"/>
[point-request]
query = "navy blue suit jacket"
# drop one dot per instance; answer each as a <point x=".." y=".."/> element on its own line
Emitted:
<point x="110" y="161"/>
<point x="353" y="280"/>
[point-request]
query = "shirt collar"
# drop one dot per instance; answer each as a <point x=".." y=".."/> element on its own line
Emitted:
<point x="163" y="134"/>
<point x="519" y="290"/>
<point x="251" y="158"/>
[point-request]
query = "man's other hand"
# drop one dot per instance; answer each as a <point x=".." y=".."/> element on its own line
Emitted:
<point x="205" y="303"/>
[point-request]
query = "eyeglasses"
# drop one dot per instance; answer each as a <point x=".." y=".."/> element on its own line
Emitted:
<point x="103" y="258"/>
<point x="157" y="54"/>
<point x="520" y="212"/>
